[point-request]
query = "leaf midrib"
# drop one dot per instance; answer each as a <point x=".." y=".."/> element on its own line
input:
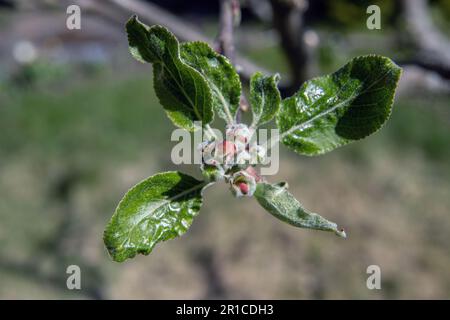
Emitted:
<point x="255" y="121"/>
<point x="161" y="60"/>
<point x="162" y="203"/>
<point x="300" y="126"/>
<point x="225" y="104"/>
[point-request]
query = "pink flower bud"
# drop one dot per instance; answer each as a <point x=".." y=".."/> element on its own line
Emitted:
<point x="252" y="172"/>
<point x="242" y="184"/>
<point x="226" y="147"/>
<point x="243" y="187"/>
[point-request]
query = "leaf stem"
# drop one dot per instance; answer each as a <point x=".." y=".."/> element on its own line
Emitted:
<point x="209" y="132"/>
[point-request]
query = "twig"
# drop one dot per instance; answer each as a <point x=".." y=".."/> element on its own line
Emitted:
<point x="416" y="80"/>
<point x="432" y="47"/>
<point x="225" y="42"/>
<point x="153" y="14"/>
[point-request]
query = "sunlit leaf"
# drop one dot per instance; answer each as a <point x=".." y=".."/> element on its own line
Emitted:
<point x="157" y="209"/>
<point x="333" y="110"/>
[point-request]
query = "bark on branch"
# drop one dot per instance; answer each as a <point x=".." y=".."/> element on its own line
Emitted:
<point x="225" y="42"/>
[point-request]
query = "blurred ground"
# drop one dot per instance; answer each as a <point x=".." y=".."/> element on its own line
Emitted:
<point x="74" y="139"/>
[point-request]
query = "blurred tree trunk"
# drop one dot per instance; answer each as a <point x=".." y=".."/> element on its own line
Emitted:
<point x="287" y="16"/>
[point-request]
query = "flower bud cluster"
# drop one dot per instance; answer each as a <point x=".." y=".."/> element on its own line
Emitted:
<point x="237" y="149"/>
<point x="233" y="158"/>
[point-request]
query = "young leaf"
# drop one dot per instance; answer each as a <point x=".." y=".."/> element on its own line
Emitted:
<point x="220" y="75"/>
<point x="182" y="90"/>
<point x="333" y="110"/>
<point x="157" y="209"/>
<point x="280" y="203"/>
<point x="264" y="98"/>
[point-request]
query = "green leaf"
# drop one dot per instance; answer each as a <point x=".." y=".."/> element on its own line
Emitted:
<point x="333" y="110"/>
<point x="220" y="75"/>
<point x="182" y="90"/>
<point x="280" y="203"/>
<point x="264" y="98"/>
<point x="157" y="209"/>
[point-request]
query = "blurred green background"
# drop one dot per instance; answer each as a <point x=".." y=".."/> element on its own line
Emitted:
<point x="80" y="124"/>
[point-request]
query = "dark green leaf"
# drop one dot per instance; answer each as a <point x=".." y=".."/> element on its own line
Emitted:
<point x="220" y="75"/>
<point x="157" y="209"/>
<point x="182" y="90"/>
<point x="264" y="98"/>
<point x="280" y="203"/>
<point x="333" y="110"/>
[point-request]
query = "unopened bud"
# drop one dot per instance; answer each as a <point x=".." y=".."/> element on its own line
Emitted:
<point x="243" y="187"/>
<point x="240" y="134"/>
<point x="243" y="184"/>
<point x="225" y="148"/>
